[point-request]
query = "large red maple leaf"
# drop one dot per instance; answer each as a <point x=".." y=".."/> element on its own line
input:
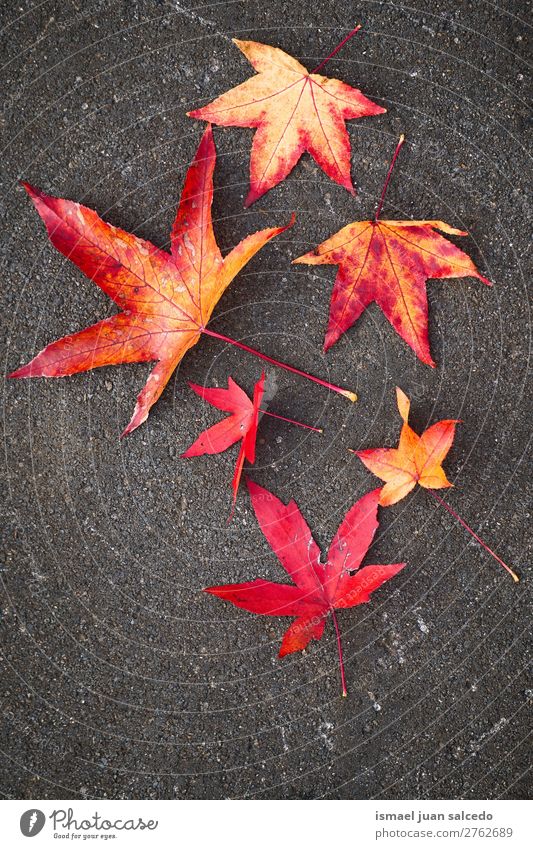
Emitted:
<point x="319" y="588"/>
<point x="293" y="111"/>
<point x="166" y="299"/>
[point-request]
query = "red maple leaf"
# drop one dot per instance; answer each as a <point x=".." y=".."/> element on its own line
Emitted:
<point x="240" y="425"/>
<point x="319" y="588"/>
<point x="293" y="110"/>
<point x="389" y="262"/>
<point x="166" y="299"/>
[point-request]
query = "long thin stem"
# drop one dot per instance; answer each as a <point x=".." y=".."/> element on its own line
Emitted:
<point x="387" y="178"/>
<point x="291" y="421"/>
<point x="338" y="47"/>
<point x="441" y="501"/>
<point x="347" y="394"/>
<point x="339" y="646"/>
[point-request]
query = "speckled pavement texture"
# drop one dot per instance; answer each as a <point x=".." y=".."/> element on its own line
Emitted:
<point x="120" y="678"/>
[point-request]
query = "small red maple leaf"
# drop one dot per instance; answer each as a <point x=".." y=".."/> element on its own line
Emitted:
<point x="240" y="425"/>
<point x="319" y="588"/>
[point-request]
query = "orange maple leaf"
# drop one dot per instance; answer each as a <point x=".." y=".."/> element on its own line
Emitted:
<point x="166" y="298"/>
<point x="293" y="110"/>
<point x="417" y="459"/>
<point x="389" y="262"/>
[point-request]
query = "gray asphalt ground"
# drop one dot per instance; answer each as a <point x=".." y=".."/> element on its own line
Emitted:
<point x="120" y="678"/>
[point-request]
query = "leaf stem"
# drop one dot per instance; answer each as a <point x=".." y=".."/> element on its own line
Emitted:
<point x="338" y="47"/>
<point x="339" y="646"/>
<point x="387" y="178"/>
<point x="347" y="394"/>
<point x="292" y="421"/>
<point x="441" y="501"/>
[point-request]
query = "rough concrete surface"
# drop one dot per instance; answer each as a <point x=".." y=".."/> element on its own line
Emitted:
<point x="120" y="678"/>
